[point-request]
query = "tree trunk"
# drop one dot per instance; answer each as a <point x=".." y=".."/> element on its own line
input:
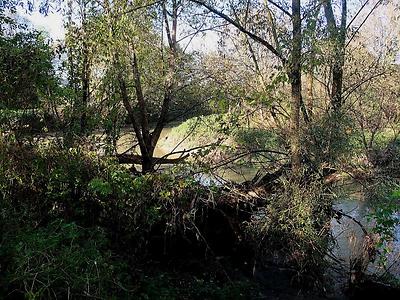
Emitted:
<point x="310" y="93"/>
<point x="147" y="149"/>
<point x="295" y="79"/>
<point x="85" y="87"/>
<point x="337" y="36"/>
<point x="147" y="164"/>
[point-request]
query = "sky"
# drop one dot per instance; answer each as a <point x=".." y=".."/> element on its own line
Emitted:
<point x="53" y="24"/>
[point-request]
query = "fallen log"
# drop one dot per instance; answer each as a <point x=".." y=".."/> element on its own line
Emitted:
<point x="137" y="159"/>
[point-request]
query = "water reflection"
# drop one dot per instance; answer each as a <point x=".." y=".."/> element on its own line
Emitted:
<point x="349" y="235"/>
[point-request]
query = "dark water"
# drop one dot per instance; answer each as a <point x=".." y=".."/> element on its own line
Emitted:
<point x="348" y="235"/>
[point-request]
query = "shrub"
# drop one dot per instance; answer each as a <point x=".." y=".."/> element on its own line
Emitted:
<point x="386" y="158"/>
<point x="61" y="260"/>
<point x="384" y="197"/>
<point x="22" y="121"/>
<point x="330" y="138"/>
<point x="256" y="138"/>
<point x="294" y="227"/>
<point x="61" y="207"/>
<point x="38" y="184"/>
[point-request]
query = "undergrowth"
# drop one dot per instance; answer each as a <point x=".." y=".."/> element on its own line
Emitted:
<point x="73" y="224"/>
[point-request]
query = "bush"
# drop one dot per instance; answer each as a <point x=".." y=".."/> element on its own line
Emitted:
<point x="330" y="139"/>
<point x="54" y="198"/>
<point x="386" y="158"/>
<point x="40" y="184"/>
<point x="60" y="260"/>
<point x="294" y="227"/>
<point x="63" y="209"/>
<point x="22" y="121"/>
<point x="383" y="196"/>
<point x="256" y="138"/>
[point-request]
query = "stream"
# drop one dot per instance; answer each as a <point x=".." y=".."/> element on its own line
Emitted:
<point x="348" y="235"/>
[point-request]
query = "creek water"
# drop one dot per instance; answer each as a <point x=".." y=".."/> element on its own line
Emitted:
<point x="348" y="234"/>
<point x="167" y="145"/>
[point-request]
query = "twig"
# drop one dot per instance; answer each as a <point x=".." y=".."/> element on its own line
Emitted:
<point x="340" y="214"/>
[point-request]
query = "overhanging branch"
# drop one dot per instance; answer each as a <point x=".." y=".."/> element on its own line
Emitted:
<point x="241" y="28"/>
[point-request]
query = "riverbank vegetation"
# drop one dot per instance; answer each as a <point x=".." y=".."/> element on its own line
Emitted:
<point x="137" y="164"/>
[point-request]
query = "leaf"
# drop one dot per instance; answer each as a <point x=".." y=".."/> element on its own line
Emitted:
<point x="101" y="187"/>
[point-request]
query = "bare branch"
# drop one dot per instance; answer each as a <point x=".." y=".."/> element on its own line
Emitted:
<point x="241" y="28"/>
<point x="137" y="159"/>
<point x="280" y="8"/>
<point x="358" y="12"/>
<point x="363" y="22"/>
<point x="135" y="8"/>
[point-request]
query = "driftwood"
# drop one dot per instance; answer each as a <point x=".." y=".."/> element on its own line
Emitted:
<point x="327" y="174"/>
<point x="137" y="159"/>
<point x="268" y="178"/>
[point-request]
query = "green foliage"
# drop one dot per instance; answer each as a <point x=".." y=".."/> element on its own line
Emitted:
<point x="384" y="197"/>
<point x="330" y="138"/>
<point x="205" y="129"/>
<point x="385" y="138"/>
<point x="255" y="139"/>
<point x="29" y="86"/>
<point x="22" y="121"/>
<point x="26" y="63"/>
<point x="60" y="206"/>
<point x="46" y="182"/>
<point x="52" y="182"/>
<point x="97" y="185"/>
<point x="386" y="158"/>
<point x="61" y="259"/>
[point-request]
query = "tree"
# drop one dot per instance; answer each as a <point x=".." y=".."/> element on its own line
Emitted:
<point x="127" y="30"/>
<point x="291" y="63"/>
<point x="295" y="80"/>
<point x="80" y="50"/>
<point x="337" y="36"/>
<point x="26" y="70"/>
